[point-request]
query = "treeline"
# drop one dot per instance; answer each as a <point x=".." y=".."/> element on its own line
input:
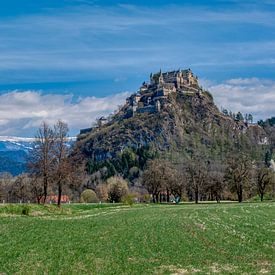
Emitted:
<point x="247" y="118"/>
<point x="202" y="179"/>
<point x="235" y="171"/>
<point x="53" y="167"/>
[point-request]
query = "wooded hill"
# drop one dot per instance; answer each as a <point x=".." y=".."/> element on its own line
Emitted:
<point x="188" y="124"/>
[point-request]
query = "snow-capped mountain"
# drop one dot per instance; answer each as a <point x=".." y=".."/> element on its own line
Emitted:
<point x="14" y="152"/>
<point x="15" y="143"/>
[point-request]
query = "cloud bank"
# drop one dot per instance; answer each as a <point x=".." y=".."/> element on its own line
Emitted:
<point x="248" y="95"/>
<point x="21" y="113"/>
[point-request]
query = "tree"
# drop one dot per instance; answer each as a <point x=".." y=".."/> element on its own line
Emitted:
<point x="88" y="196"/>
<point x="41" y="157"/>
<point x="151" y="179"/>
<point x="267" y="158"/>
<point x="37" y="188"/>
<point x="263" y="180"/>
<point x="225" y="112"/>
<point x="196" y="173"/>
<point x="215" y="185"/>
<point x="6" y="181"/>
<point x="21" y="189"/>
<point x="250" y="118"/>
<point x="238" y="174"/>
<point x="62" y="168"/>
<point x="157" y="177"/>
<point x="177" y="183"/>
<point x="246" y="118"/>
<point x="239" y="116"/>
<point x="117" y="188"/>
<point x="53" y="162"/>
<point x="102" y="192"/>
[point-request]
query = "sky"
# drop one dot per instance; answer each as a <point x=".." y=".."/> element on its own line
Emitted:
<point x="77" y="60"/>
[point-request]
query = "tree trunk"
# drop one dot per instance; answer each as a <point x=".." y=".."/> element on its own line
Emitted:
<point x="196" y="196"/>
<point x="38" y="198"/>
<point x="240" y="194"/>
<point x="45" y="191"/>
<point x="59" y="194"/>
<point x="167" y="195"/>
<point x="158" y="198"/>
<point x="262" y="196"/>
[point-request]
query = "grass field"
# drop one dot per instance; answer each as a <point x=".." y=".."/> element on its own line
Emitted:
<point x="143" y="239"/>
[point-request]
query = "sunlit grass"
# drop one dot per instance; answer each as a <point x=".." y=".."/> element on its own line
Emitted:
<point x="143" y="239"/>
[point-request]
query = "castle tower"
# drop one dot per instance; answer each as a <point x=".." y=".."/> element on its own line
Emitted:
<point x="179" y="79"/>
<point x="161" y="79"/>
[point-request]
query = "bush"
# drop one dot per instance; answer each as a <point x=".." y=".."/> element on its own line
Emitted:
<point x="102" y="192"/>
<point x="26" y="210"/>
<point x="146" y="198"/>
<point x="128" y="199"/>
<point x="88" y="196"/>
<point x="117" y="188"/>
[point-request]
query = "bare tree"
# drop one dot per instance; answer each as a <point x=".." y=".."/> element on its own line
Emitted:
<point x="151" y="179"/>
<point x="21" y="189"/>
<point x="215" y="181"/>
<point x="41" y="158"/>
<point x="37" y="188"/>
<point x="6" y="181"/>
<point x="196" y="173"/>
<point x="238" y="174"/>
<point x="158" y="177"/>
<point x="263" y="180"/>
<point x="62" y="165"/>
<point x="177" y="183"/>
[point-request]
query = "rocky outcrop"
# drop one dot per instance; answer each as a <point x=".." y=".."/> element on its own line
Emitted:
<point x="186" y="121"/>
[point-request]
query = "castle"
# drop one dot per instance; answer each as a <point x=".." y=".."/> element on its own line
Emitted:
<point x="150" y="96"/>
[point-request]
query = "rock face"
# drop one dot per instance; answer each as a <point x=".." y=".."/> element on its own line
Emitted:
<point x="170" y="113"/>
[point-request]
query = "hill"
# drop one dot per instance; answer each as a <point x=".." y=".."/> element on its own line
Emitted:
<point x="171" y="115"/>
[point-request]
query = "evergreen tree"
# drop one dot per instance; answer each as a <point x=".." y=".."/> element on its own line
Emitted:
<point x="239" y="116"/>
<point x="250" y="118"/>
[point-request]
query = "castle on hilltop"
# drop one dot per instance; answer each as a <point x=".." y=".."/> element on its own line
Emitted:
<point x="151" y="96"/>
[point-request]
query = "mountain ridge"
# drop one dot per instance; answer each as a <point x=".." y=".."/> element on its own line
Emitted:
<point x="14" y="152"/>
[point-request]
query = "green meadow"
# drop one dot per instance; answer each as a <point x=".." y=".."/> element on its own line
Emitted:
<point x="226" y="238"/>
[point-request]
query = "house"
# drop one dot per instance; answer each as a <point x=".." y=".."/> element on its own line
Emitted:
<point x="54" y="199"/>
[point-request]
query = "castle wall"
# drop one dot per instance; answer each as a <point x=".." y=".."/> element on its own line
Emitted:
<point x="147" y="109"/>
<point x="161" y="85"/>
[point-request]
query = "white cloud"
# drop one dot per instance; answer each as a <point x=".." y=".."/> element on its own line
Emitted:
<point x="248" y="95"/>
<point x="22" y="112"/>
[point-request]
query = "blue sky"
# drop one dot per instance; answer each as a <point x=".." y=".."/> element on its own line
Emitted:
<point x="67" y="52"/>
